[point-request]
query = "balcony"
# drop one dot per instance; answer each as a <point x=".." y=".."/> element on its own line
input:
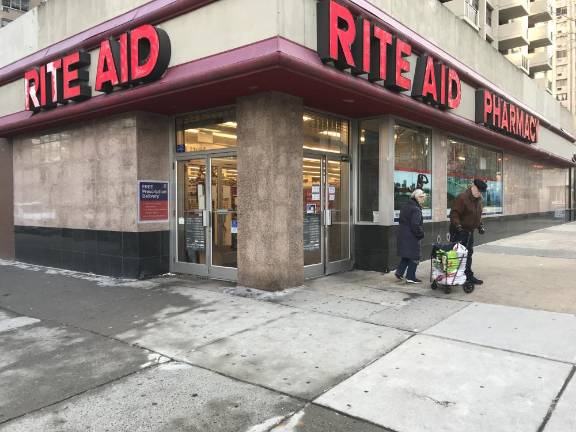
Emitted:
<point x="519" y="60"/>
<point x="540" y="11"/>
<point x="513" y="35"/>
<point x="465" y="11"/>
<point x="540" y="36"/>
<point x="540" y="62"/>
<point x="510" y="9"/>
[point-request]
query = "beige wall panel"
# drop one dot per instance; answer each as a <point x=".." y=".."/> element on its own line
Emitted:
<point x="23" y="34"/>
<point x="12" y="98"/>
<point x="552" y="143"/>
<point x="220" y="26"/>
<point x="531" y="187"/>
<point x="63" y="18"/>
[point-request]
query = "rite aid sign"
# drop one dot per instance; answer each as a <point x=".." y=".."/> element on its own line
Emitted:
<point x="367" y="49"/>
<point x="136" y="57"/>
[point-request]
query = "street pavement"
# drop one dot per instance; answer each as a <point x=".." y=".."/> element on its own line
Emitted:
<point x="357" y="351"/>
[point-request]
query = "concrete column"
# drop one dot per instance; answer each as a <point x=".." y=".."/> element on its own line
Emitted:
<point x="270" y="219"/>
<point x="439" y="176"/>
<point x="387" y="162"/>
<point x="7" y="200"/>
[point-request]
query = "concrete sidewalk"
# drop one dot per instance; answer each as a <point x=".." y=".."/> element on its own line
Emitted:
<point x="351" y="352"/>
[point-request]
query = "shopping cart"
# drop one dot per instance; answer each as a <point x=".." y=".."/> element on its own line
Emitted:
<point x="448" y="265"/>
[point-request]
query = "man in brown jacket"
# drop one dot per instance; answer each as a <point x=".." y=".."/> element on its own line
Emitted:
<point x="465" y="217"/>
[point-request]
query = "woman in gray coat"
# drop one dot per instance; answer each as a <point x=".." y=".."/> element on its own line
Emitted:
<point x="410" y="235"/>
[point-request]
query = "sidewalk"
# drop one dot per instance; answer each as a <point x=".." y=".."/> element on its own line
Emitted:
<point x="354" y="352"/>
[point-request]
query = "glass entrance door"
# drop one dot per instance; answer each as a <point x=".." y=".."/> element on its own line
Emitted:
<point x="206" y="216"/>
<point x="326" y="205"/>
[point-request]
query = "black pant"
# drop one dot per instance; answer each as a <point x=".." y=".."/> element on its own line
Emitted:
<point x="466" y="239"/>
<point x="409" y="266"/>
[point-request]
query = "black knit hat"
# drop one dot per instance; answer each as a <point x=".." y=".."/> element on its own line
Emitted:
<point x="481" y="185"/>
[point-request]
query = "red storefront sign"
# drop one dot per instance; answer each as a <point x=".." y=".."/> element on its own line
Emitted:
<point x="495" y="112"/>
<point x="136" y="57"/>
<point x="367" y="49"/>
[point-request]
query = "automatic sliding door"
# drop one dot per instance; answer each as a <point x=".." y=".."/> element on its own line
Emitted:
<point x="338" y="215"/>
<point x="192" y="216"/>
<point x="312" y="178"/>
<point x="224" y="181"/>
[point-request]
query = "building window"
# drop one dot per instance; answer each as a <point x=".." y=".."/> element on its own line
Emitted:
<point x="326" y="134"/>
<point x="467" y="162"/>
<point x="215" y="130"/>
<point x="472" y="7"/>
<point x="369" y="169"/>
<point x="561" y="83"/>
<point x="489" y="11"/>
<point x="562" y="11"/>
<point x="22" y="5"/>
<point x="561" y="54"/>
<point x="562" y="96"/>
<point x="412" y="166"/>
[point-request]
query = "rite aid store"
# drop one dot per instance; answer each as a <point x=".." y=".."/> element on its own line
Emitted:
<point x="261" y="141"/>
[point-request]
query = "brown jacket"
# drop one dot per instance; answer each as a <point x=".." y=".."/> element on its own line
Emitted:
<point x="467" y="211"/>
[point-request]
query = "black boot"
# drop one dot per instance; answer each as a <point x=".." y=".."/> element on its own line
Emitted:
<point x="475" y="281"/>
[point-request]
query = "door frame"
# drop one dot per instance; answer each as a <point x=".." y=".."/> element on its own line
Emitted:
<point x="203" y="270"/>
<point x="325" y="267"/>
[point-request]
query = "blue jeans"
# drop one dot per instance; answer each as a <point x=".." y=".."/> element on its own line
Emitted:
<point x="409" y="266"/>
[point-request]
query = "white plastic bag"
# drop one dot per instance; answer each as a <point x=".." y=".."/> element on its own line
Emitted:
<point x="449" y="268"/>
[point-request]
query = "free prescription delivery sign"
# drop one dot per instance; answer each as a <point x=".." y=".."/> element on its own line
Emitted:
<point x="152" y="201"/>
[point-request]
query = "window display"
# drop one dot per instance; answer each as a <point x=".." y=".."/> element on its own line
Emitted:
<point x="467" y="162"/>
<point x="369" y="168"/>
<point x="412" y="167"/>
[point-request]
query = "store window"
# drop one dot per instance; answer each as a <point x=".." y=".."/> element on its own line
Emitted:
<point x="325" y="134"/>
<point x="412" y="166"/>
<point x="214" y="130"/>
<point x="467" y="162"/>
<point x="369" y="160"/>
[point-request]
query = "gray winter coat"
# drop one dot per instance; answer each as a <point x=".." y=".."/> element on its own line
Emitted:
<point x="410" y="231"/>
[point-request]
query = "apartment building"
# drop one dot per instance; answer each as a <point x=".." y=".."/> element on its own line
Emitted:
<point x="12" y="9"/>
<point x="522" y="30"/>
<point x="565" y="56"/>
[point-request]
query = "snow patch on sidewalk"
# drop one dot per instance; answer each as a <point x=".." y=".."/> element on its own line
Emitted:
<point x="265" y="427"/>
<point x="15" y="323"/>
<point x="103" y="281"/>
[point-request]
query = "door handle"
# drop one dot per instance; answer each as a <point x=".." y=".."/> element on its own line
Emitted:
<point x="206" y="218"/>
<point x="327" y="217"/>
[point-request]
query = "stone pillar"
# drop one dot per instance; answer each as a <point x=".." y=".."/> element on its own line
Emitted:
<point x="387" y="164"/>
<point x="270" y="219"/>
<point x="439" y="176"/>
<point x="7" y="200"/>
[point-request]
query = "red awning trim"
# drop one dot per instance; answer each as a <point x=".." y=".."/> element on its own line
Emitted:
<point x="274" y="55"/>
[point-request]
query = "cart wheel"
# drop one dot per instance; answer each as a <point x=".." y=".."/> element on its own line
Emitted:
<point x="434" y="285"/>
<point x="447" y="289"/>
<point x="468" y="287"/>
